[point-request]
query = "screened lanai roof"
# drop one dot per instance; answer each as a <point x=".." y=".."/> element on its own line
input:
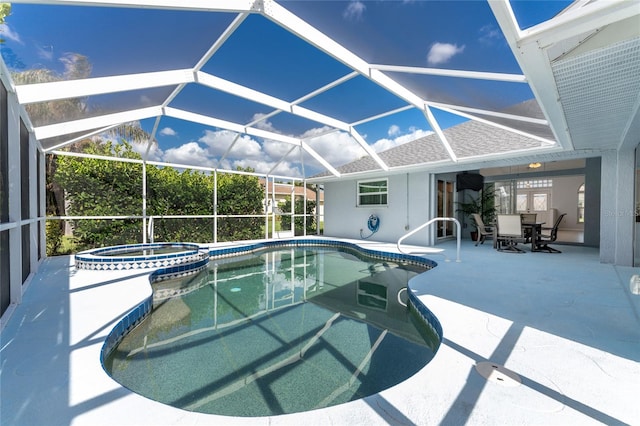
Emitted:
<point x="300" y="88"/>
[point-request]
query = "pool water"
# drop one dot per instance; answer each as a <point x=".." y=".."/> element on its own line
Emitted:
<point x="276" y="332"/>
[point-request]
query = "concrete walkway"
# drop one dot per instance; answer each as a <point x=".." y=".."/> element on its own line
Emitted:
<point x="561" y="332"/>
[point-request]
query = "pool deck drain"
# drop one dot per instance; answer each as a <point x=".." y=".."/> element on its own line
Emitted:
<point x="498" y="374"/>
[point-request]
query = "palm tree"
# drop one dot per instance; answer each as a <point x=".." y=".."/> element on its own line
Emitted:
<point x="76" y="67"/>
<point x="5" y="10"/>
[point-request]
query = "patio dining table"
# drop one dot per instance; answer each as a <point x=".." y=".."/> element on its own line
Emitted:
<point x="536" y="229"/>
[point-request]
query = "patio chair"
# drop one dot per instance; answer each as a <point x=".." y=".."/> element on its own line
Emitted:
<point x="545" y="238"/>
<point x="509" y="233"/>
<point x="483" y="230"/>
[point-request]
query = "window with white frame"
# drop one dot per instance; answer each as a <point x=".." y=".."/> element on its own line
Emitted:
<point x="373" y="192"/>
<point x="537" y="183"/>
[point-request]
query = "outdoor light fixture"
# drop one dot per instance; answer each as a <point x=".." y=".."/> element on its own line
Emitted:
<point x="534" y="165"/>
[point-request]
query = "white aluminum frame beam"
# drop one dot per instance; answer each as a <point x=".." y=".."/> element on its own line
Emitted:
<point x="67" y="127"/>
<point x="498" y="125"/>
<point x="196" y="5"/>
<point x="528" y="47"/>
<point x="239" y="128"/>
<point x="235" y="89"/>
<point x="435" y="126"/>
<point x="574" y="22"/>
<point x="212" y="50"/>
<point x="533" y="60"/>
<point x="79" y="138"/>
<point x="326" y="87"/>
<point x="382" y="115"/>
<point x="303" y="30"/>
<point x="319" y="158"/>
<point x="368" y="149"/>
<point x="510" y="78"/>
<point x="44" y="92"/>
<point x="458" y="110"/>
<point x="280" y="161"/>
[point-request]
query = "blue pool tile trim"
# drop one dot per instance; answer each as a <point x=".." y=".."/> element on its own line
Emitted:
<point x="135" y="317"/>
<point x="215" y="253"/>
<point x="97" y="259"/>
<point x="126" y="324"/>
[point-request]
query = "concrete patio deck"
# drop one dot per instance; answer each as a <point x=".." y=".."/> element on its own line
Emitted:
<point x="566" y="324"/>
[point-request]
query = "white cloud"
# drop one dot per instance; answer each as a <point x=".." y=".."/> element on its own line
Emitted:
<point x="45" y="52"/>
<point x="262" y="123"/>
<point x="7" y="33"/>
<point x="354" y="11"/>
<point x="247" y="152"/>
<point x="441" y="53"/>
<point x="285" y="168"/>
<point x="245" y="147"/>
<point x="385" y="144"/>
<point x="168" y="131"/>
<point x="219" y="141"/>
<point x="276" y="150"/>
<point x="146" y="101"/>
<point x="190" y="153"/>
<point x="489" y="34"/>
<point x="154" y="153"/>
<point x="337" y="148"/>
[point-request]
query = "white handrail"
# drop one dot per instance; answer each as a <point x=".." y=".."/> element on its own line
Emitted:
<point x="150" y="229"/>
<point x="429" y="222"/>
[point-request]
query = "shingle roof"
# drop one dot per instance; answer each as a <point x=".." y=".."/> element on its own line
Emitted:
<point x="469" y="139"/>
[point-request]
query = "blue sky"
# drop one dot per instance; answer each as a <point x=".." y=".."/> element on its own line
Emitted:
<point x="459" y="35"/>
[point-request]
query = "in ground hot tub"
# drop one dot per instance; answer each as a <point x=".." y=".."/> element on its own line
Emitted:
<point x="142" y="256"/>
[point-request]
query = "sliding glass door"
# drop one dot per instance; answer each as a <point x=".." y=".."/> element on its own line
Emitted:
<point x="445" y="209"/>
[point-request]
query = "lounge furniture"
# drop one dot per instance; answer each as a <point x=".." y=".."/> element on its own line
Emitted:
<point x="545" y="238"/>
<point x="509" y="233"/>
<point x="483" y="230"/>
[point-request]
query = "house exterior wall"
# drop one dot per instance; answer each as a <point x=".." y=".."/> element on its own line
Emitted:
<point x="618" y="210"/>
<point x="565" y="199"/>
<point x="344" y="219"/>
<point x="22" y="236"/>
<point x="407" y="208"/>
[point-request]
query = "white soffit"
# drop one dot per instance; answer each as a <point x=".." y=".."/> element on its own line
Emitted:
<point x="600" y="92"/>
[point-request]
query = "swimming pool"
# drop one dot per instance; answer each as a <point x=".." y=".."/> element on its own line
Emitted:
<point x="275" y="332"/>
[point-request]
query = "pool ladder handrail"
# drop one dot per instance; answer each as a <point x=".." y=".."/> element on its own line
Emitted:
<point x="427" y="223"/>
<point x="150" y="229"/>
